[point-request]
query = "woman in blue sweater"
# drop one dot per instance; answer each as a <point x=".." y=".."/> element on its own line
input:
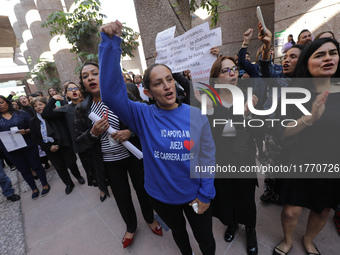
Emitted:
<point x="173" y="143"/>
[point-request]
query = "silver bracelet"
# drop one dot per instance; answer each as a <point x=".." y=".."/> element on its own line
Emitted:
<point x="94" y="136"/>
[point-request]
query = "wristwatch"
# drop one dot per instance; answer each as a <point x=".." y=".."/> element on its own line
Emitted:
<point x="132" y="134"/>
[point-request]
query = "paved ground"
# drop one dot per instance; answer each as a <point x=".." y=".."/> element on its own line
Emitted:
<point x="79" y="224"/>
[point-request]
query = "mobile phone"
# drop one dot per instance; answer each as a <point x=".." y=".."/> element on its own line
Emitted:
<point x="260" y="18"/>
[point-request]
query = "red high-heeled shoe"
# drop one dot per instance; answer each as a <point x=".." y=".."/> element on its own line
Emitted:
<point x="158" y="230"/>
<point x="127" y="241"/>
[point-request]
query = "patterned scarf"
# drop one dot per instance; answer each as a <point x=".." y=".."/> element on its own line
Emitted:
<point x="43" y="130"/>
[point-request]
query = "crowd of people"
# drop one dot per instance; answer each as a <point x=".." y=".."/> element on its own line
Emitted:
<point x="154" y="114"/>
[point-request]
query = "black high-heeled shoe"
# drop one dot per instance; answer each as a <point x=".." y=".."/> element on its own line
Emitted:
<point x="102" y="198"/>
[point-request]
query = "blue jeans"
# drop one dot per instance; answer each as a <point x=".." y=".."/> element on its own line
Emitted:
<point x="5" y="183"/>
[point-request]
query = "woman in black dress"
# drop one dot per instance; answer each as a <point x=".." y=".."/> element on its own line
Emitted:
<point x="314" y="139"/>
<point x="234" y="202"/>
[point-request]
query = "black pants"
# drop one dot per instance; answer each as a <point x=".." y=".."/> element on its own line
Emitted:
<point x="26" y="158"/>
<point x="62" y="159"/>
<point x="201" y="225"/>
<point x="87" y="162"/>
<point x="44" y="160"/>
<point x="117" y="174"/>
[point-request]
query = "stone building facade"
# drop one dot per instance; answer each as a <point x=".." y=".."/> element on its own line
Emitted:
<point x="285" y="16"/>
<point x="281" y="17"/>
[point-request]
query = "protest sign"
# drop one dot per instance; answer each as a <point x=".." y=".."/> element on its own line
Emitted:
<point x="190" y="50"/>
<point x="12" y="140"/>
<point x="165" y="35"/>
<point x="161" y="42"/>
<point x="201" y="74"/>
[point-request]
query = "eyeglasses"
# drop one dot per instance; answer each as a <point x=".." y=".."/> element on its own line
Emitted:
<point x="227" y="70"/>
<point x="70" y="89"/>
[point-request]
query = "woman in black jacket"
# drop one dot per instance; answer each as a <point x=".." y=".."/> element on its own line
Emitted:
<point x="54" y="138"/>
<point x="66" y="113"/>
<point x="113" y="162"/>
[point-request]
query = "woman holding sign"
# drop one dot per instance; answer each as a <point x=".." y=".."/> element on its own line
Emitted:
<point x="112" y="160"/>
<point x="312" y="140"/>
<point x="26" y="157"/>
<point x="172" y="146"/>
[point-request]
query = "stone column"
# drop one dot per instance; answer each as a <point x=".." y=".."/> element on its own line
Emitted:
<point x="38" y="43"/>
<point x="64" y="60"/>
<point x="24" y="38"/>
<point x="18" y="27"/>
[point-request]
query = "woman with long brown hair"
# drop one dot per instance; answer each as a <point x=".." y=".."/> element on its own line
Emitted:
<point x="113" y="162"/>
<point x="312" y="139"/>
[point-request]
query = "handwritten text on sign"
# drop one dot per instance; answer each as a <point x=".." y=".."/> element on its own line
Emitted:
<point x="190" y="50"/>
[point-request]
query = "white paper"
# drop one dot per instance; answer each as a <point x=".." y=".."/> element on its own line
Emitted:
<point x="133" y="149"/>
<point x="190" y="50"/>
<point x="161" y="42"/>
<point x="165" y="35"/>
<point x="12" y="140"/>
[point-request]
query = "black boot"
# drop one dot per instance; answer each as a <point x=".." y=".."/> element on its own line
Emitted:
<point x="230" y="232"/>
<point x="251" y="241"/>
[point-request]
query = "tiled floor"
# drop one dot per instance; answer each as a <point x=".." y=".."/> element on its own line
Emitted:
<point x="79" y="224"/>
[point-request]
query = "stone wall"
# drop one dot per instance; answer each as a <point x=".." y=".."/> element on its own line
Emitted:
<point x="240" y="16"/>
<point x="279" y="15"/>
<point x="315" y="15"/>
<point x="155" y="16"/>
